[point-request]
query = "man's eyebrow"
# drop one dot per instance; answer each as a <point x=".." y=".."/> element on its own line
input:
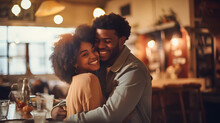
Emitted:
<point x="97" y="39"/>
<point x="82" y="51"/>
<point x="107" y="38"/>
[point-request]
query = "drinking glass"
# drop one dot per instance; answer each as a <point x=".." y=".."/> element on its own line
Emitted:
<point x="48" y="101"/>
<point x="39" y="116"/>
<point x="4" y="104"/>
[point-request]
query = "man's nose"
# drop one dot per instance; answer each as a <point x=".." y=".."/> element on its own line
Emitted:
<point x="101" y="45"/>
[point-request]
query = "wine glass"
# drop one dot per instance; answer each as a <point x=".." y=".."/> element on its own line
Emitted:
<point x="14" y="88"/>
<point x="18" y="100"/>
<point x="16" y="96"/>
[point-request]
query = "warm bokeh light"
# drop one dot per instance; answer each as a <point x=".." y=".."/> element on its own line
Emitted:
<point x="151" y="43"/>
<point x="16" y="9"/>
<point x="25" y="4"/>
<point x="98" y="12"/>
<point x="58" y="19"/>
<point x="13" y="44"/>
<point x="17" y="40"/>
<point x="175" y="41"/>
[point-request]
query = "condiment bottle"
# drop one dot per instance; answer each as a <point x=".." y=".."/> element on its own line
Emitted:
<point x="20" y="84"/>
<point x="25" y="92"/>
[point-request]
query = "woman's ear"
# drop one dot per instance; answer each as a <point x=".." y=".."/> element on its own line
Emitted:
<point x="75" y="65"/>
<point x="76" y="68"/>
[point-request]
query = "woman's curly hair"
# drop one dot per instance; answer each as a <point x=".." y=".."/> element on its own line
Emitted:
<point x="115" y="22"/>
<point x="65" y="51"/>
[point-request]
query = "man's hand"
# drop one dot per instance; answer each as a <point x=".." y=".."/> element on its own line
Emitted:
<point x="58" y="113"/>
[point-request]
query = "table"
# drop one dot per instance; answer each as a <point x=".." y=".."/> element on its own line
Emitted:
<point x="16" y="116"/>
<point x="162" y="82"/>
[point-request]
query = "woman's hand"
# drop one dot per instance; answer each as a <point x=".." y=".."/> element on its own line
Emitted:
<point x="58" y="113"/>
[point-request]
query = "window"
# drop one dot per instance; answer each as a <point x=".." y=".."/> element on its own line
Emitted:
<point x="3" y="50"/>
<point x="20" y="45"/>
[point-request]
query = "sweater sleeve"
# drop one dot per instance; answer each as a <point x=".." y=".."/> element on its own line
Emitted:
<point x="84" y="94"/>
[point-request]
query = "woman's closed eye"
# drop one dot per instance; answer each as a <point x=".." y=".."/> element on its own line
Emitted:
<point x="84" y="53"/>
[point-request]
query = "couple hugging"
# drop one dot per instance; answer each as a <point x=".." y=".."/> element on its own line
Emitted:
<point x="107" y="82"/>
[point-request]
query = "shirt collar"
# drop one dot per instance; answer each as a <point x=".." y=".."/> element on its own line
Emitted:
<point x="120" y="60"/>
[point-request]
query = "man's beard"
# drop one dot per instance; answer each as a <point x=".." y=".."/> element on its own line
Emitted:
<point x="113" y="57"/>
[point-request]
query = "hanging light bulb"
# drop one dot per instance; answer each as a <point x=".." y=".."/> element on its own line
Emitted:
<point x="175" y="41"/>
<point x="151" y="43"/>
<point x="26" y="4"/>
<point x="16" y="9"/>
<point x="58" y="19"/>
<point x="98" y="12"/>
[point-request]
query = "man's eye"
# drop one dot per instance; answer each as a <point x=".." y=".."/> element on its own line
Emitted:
<point x="108" y="41"/>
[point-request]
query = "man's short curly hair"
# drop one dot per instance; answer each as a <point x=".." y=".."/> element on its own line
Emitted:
<point x="115" y="22"/>
<point x="65" y="51"/>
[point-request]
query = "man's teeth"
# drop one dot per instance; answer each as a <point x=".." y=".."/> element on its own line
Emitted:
<point x="96" y="61"/>
<point x="103" y="52"/>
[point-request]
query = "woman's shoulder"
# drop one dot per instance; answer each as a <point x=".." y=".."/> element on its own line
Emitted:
<point x="85" y="78"/>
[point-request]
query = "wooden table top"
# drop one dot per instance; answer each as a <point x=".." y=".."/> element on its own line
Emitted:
<point x="162" y="82"/>
<point x="19" y="116"/>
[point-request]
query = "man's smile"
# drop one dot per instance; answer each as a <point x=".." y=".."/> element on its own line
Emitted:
<point x="103" y="53"/>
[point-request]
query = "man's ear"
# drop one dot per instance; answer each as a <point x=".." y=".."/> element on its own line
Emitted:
<point x="122" y="40"/>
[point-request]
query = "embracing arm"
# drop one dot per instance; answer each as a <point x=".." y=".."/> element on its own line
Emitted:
<point x="123" y="100"/>
<point x="58" y="112"/>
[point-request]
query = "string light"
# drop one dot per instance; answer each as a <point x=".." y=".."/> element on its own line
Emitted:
<point x="175" y="41"/>
<point x="16" y="9"/>
<point x="151" y="43"/>
<point x="26" y="4"/>
<point x="98" y="12"/>
<point x="58" y="19"/>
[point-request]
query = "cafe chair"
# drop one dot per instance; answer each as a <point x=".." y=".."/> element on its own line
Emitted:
<point x="184" y="103"/>
<point x="158" y="111"/>
<point x="174" y="103"/>
<point x="194" y="105"/>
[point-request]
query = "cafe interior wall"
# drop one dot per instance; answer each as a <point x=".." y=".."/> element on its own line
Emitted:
<point x="142" y="18"/>
<point x="144" y="13"/>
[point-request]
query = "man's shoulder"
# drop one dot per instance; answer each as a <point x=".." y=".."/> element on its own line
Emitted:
<point x="133" y="62"/>
<point x="133" y="69"/>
